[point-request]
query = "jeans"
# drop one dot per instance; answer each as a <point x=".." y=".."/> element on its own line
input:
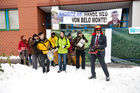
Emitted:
<point x="30" y="60"/>
<point x="60" y="56"/>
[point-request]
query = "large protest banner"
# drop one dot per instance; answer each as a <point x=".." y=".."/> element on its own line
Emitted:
<point x="94" y="17"/>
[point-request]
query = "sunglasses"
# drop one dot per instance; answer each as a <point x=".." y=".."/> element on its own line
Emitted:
<point x="98" y="30"/>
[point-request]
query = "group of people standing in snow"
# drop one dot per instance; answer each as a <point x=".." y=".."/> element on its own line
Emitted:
<point x="38" y="47"/>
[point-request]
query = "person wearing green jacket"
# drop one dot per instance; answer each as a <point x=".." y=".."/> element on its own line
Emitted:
<point x="62" y="44"/>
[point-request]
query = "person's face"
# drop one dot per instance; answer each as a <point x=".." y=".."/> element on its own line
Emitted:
<point x="62" y="34"/>
<point x="55" y="15"/>
<point x="53" y="36"/>
<point x="80" y="34"/>
<point x="69" y="37"/>
<point x="41" y="36"/>
<point x="114" y="16"/>
<point x="24" y="38"/>
<point x="98" y="32"/>
<point x="36" y="37"/>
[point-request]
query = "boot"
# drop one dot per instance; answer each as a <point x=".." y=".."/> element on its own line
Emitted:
<point x="27" y="62"/>
<point x="22" y="61"/>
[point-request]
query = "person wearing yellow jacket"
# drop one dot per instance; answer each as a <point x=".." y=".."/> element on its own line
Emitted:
<point x="63" y="44"/>
<point x="43" y="46"/>
<point x="53" y="40"/>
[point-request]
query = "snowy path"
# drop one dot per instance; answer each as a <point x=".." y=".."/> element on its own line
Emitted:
<point x="23" y="79"/>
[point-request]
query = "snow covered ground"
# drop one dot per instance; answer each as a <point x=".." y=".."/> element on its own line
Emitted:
<point x="24" y="79"/>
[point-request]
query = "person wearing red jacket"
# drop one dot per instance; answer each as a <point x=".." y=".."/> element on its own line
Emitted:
<point x="70" y="50"/>
<point x="23" y="49"/>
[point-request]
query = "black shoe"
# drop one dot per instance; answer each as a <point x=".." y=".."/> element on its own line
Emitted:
<point x="107" y="78"/>
<point x="47" y="71"/>
<point x="59" y="71"/>
<point x="43" y="70"/>
<point x="22" y="62"/>
<point x="92" y="77"/>
<point x="83" y="69"/>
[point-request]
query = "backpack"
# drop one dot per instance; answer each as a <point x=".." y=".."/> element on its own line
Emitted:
<point x="35" y="48"/>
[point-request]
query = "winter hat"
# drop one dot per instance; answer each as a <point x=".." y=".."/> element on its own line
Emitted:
<point x="52" y="33"/>
<point x="40" y="33"/>
<point x="79" y="32"/>
<point x="97" y="27"/>
<point x="69" y="34"/>
<point x="35" y="35"/>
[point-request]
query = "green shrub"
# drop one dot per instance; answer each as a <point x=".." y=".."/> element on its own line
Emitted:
<point x="125" y="46"/>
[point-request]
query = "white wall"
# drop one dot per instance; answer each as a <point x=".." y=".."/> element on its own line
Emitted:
<point x="136" y="14"/>
<point x="108" y="33"/>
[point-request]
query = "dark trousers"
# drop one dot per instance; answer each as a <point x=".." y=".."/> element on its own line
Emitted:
<point x="34" y="61"/>
<point x="102" y="62"/>
<point x="26" y="61"/>
<point x="45" y="62"/>
<point x="78" y="54"/>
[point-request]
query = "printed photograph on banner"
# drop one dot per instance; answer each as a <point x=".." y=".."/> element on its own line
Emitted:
<point x="115" y="17"/>
<point x="55" y="19"/>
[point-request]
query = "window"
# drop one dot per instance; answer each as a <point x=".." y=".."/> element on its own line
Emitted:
<point x="9" y="20"/>
<point x="125" y="20"/>
<point x="2" y="20"/>
<point x="13" y="19"/>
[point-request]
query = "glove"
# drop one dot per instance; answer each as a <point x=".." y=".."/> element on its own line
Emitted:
<point x="83" y="37"/>
<point x="54" y="48"/>
<point x="58" y="46"/>
<point x="64" y="46"/>
<point x="73" y="49"/>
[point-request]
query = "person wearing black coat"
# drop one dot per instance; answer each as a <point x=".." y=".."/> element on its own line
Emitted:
<point x="97" y="50"/>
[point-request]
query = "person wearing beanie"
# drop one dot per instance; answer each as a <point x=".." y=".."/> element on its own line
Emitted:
<point x="53" y="40"/>
<point x="70" y="50"/>
<point x="97" y="50"/>
<point x="33" y="49"/>
<point x="62" y="44"/>
<point x="44" y="46"/>
<point x="79" y="44"/>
